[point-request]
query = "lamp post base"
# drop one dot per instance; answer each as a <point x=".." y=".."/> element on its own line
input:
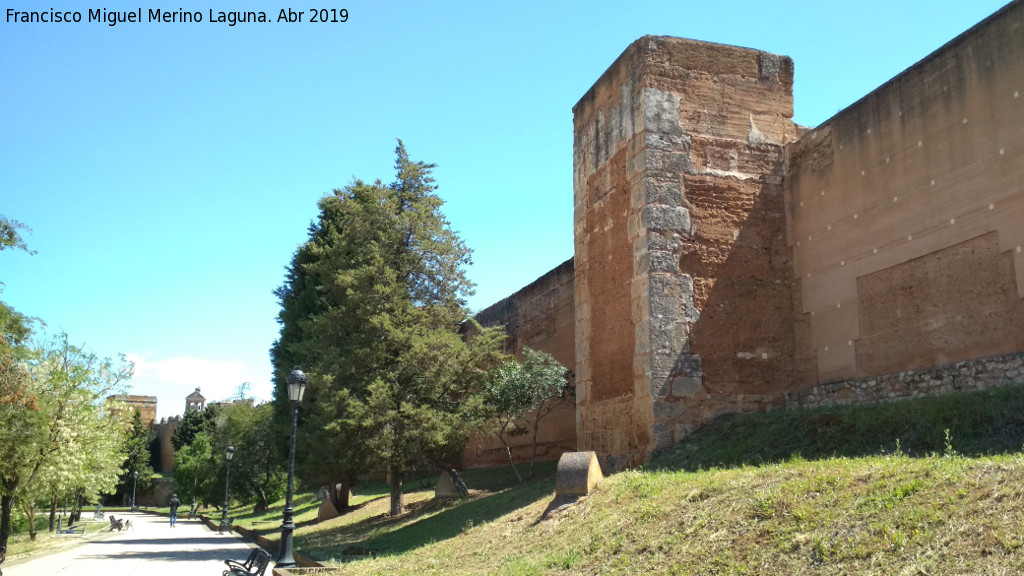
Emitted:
<point x="285" y="556"/>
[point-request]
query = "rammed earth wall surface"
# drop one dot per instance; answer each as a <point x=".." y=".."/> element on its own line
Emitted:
<point x="727" y="260"/>
<point x="905" y="215"/>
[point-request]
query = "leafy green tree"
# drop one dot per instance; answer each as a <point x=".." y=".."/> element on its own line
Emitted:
<point x="22" y="428"/>
<point x="517" y="389"/>
<point x="371" y="309"/>
<point x="9" y="235"/>
<point x="194" y="471"/>
<point x="55" y="436"/>
<point x="194" y="422"/>
<point x="257" y="470"/>
<point x="87" y="464"/>
<point x="547" y="383"/>
<point x="136" y="457"/>
<point x="506" y="400"/>
<point x="21" y="421"/>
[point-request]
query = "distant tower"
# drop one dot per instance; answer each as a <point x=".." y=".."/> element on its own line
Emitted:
<point x="146" y="405"/>
<point x="195" y="401"/>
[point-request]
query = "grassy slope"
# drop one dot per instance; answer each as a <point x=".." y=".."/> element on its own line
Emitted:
<point x="832" y="492"/>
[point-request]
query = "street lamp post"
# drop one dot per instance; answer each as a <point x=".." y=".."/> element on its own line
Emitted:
<point x="296" y="387"/>
<point x="227" y="478"/>
<point x="135" y="482"/>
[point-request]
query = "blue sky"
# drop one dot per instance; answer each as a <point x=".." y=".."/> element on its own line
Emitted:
<point x="169" y="170"/>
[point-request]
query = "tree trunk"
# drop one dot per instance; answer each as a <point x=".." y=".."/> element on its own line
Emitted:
<point x="53" y="514"/>
<point x="508" y="451"/>
<point x="6" y="506"/>
<point x="338" y="493"/>
<point x="29" y="507"/>
<point x="76" y="509"/>
<point x="536" y="429"/>
<point x="397" y="504"/>
<point x="261" y="503"/>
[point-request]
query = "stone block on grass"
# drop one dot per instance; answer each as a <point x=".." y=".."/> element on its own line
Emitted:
<point x="577" y="474"/>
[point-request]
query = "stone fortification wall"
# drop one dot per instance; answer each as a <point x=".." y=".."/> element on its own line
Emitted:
<point x="539" y="316"/>
<point x="906" y="217"/>
<point x="682" y="290"/>
<point x="726" y="260"/>
<point x="966" y="376"/>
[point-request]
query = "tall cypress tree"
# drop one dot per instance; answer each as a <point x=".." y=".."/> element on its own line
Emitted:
<point x="371" y="309"/>
<point x="137" y="457"/>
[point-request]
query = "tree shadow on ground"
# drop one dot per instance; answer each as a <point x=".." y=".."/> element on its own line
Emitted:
<point x="266" y="528"/>
<point x="439" y="520"/>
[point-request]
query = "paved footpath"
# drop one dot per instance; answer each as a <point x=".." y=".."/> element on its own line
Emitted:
<point x="150" y="548"/>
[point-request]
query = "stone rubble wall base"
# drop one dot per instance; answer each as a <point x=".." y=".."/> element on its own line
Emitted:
<point x="967" y="376"/>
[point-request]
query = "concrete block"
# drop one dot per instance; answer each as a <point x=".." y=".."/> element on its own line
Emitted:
<point x="445" y="487"/>
<point x="577" y="474"/>
<point x="326" y="511"/>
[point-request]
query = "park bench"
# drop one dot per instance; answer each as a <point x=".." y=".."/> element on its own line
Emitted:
<point x="116" y="524"/>
<point x="255" y="565"/>
<point x="70" y="529"/>
<point x="78" y="530"/>
<point x="248" y="561"/>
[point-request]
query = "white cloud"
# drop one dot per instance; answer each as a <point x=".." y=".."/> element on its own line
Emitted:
<point x="172" y="379"/>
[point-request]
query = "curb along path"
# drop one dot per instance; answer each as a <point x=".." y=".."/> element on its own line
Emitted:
<point x="150" y="548"/>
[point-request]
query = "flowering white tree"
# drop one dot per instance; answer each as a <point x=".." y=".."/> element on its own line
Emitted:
<point x="59" y="435"/>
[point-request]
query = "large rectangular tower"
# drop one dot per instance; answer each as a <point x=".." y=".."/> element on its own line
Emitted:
<point x="682" y="287"/>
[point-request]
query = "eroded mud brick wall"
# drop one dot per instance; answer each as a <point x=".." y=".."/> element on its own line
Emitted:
<point x="683" y="298"/>
<point x="906" y="216"/>
<point x="539" y="316"/>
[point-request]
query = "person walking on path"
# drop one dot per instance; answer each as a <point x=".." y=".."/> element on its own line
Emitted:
<point x="174" y="503"/>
